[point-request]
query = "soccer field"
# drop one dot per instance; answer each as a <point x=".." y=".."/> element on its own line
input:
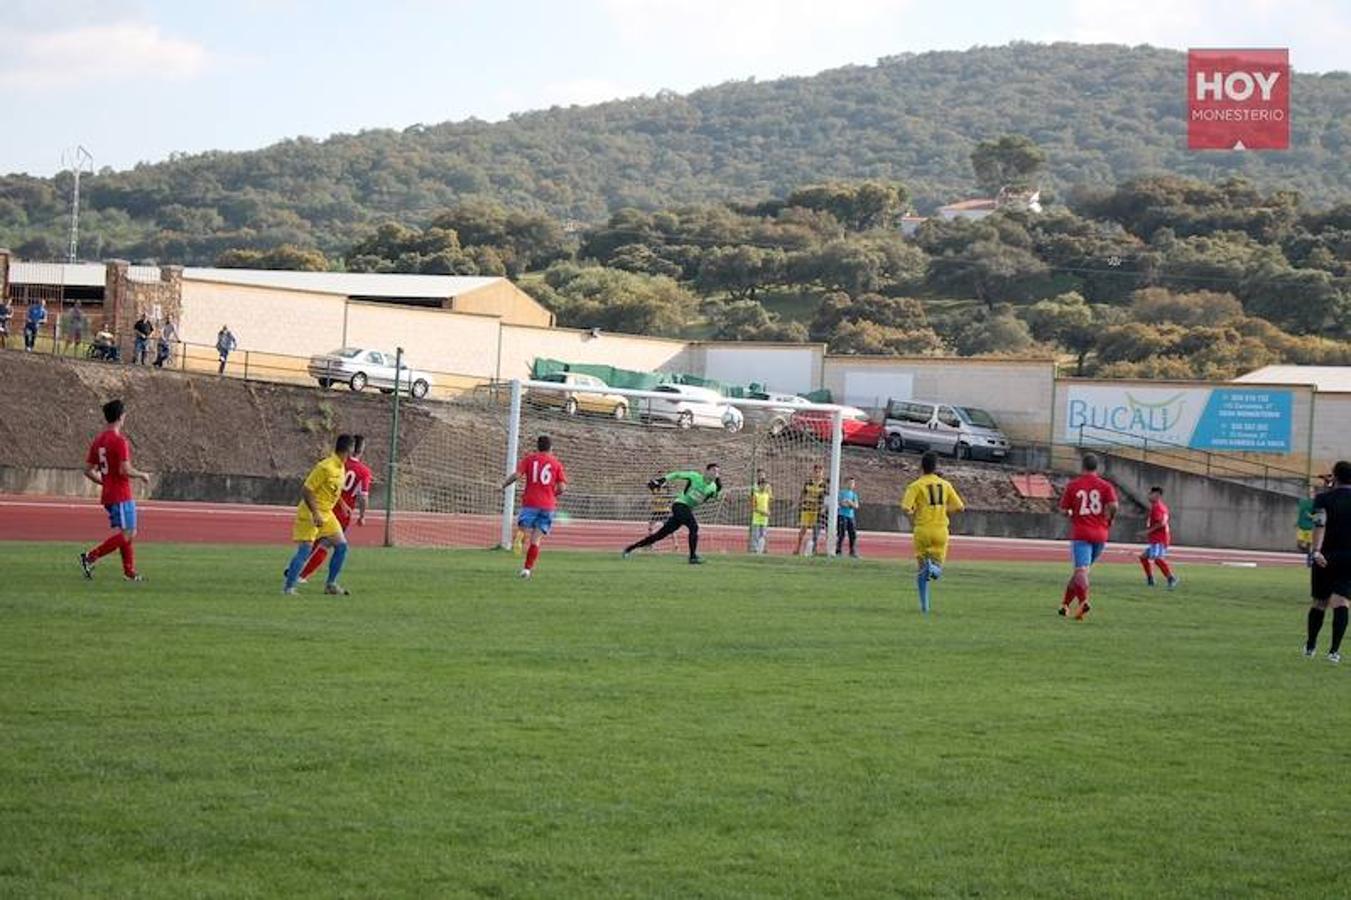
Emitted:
<point x="752" y="727"/>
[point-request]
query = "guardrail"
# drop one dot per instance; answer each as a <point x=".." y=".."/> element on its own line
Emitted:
<point x="1226" y="466"/>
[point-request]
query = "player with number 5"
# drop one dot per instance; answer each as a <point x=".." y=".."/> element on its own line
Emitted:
<point x="544" y="484"/>
<point x="1090" y="503"/>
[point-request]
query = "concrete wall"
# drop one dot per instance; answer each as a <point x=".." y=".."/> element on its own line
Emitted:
<point x="1018" y="393"/>
<point x="1331" y="430"/>
<point x="1206" y="512"/>
<point x="521" y="345"/>
<point x="505" y="300"/>
<point x="782" y="368"/>
<point x="298" y="323"/>
<point x="433" y="339"/>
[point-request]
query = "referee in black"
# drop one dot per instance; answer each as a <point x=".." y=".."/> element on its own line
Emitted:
<point x="1330" y="558"/>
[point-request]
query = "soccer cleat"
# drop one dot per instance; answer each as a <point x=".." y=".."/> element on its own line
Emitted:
<point x="1062" y="611"/>
<point x="1308" y="652"/>
<point x="336" y="589"/>
<point x="1149" y="582"/>
<point x="1173" y="582"/>
<point x="524" y="573"/>
<point x="696" y="560"/>
<point x="134" y="576"/>
<point x="1083" y="611"/>
<point x="1334" y="658"/>
<point x="625" y="554"/>
<point x="288" y="592"/>
<point x="87" y="565"/>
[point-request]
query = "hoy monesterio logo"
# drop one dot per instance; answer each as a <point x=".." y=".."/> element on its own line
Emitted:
<point x="1238" y="99"/>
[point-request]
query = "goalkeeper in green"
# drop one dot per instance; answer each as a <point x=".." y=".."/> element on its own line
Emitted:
<point x="698" y="489"/>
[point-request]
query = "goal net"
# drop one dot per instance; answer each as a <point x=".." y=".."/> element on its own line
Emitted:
<point x="611" y="442"/>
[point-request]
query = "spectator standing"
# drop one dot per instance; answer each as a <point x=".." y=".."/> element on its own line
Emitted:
<point x="5" y="315"/>
<point x="762" y="500"/>
<point x="164" y="347"/>
<point x="225" y="344"/>
<point x="73" y="329"/>
<point x="845" y="525"/>
<point x="143" y="329"/>
<point x="32" y="323"/>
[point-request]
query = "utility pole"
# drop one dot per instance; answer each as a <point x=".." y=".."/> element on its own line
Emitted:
<point x="77" y="161"/>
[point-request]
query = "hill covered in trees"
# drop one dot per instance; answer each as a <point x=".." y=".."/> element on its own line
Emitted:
<point x="1102" y="114"/>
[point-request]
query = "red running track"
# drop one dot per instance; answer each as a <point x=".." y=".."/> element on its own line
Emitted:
<point x="30" y="518"/>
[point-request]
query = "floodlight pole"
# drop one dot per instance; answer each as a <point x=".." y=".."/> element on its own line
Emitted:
<point x="513" y="449"/>
<point x="78" y="160"/>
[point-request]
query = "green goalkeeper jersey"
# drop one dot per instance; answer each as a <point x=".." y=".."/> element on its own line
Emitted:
<point x="697" y="488"/>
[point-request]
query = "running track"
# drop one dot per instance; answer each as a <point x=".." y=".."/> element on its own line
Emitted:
<point x="31" y="518"/>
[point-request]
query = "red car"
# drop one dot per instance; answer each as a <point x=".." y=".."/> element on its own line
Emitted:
<point x="859" y="429"/>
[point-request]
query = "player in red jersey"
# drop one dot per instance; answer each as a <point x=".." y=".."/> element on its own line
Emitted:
<point x="1090" y="503"/>
<point x="545" y="481"/>
<point x="1158" y="536"/>
<point x="356" y="493"/>
<point x="108" y="464"/>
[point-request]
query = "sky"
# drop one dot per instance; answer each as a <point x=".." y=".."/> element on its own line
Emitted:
<point x="137" y="80"/>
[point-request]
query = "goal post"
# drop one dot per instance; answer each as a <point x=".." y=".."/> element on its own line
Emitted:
<point x="611" y="442"/>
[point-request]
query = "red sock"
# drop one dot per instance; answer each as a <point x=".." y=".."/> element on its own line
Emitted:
<point x="1166" y="569"/>
<point x="531" y="555"/>
<point x="1070" y="593"/>
<point x="316" y="560"/>
<point x="113" y="542"/>
<point x="1149" y="570"/>
<point x="128" y="557"/>
<point x="1080" y="583"/>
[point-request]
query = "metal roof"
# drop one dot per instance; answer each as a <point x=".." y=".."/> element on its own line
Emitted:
<point x="347" y="284"/>
<point x="344" y="284"/>
<point x="1336" y="379"/>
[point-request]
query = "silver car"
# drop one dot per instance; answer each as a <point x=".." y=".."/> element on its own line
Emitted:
<point x="964" y="432"/>
<point x="690" y="406"/>
<point x="358" y="368"/>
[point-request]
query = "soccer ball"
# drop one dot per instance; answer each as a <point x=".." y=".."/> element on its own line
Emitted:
<point x="524" y="573"/>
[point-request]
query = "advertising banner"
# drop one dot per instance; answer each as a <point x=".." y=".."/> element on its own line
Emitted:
<point x="1234" y="420"/>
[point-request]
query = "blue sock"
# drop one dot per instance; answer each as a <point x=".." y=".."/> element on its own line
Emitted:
<point x="922" y="582"/>
<point x="335" y="561"/>
<point x="297" y="563"/>
<point x="935" y="570"/>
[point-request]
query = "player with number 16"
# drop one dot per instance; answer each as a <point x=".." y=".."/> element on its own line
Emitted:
<point x="544" y="483"/>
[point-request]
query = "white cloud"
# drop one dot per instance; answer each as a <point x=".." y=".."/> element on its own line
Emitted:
<point x="95" y="55"/>
<point x="750" y="29"/>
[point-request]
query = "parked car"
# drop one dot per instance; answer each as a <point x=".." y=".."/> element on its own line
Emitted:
<point x="774" y="419"/>
<point x="858" y="429"/>
<point x="965" y="432"/>
<point x="590" y="395"/>
<point x="690" y="406"/>
<point x="358" y="368"/>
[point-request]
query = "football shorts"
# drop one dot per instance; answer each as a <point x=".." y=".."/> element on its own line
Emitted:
<point x="808" y="518"/>
<point x="1334" y="578"/>
<point x="1303" y="535"/>
<point x="1085" y="553"/>
<point x="304" y="529"/>
<point x="930" y="543"/>
<point x="533" y="517"/>
<point x="122" y="515"/>
<point x="1156" y="551"/>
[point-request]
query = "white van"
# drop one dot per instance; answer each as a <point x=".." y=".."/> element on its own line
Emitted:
<point x="964" y="432"/>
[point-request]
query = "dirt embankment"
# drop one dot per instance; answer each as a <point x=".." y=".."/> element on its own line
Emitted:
<point x="184" y="423"/>
<point x="50" y="411"/>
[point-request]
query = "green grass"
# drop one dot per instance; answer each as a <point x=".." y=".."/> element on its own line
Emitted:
<point x="770" y="727"/>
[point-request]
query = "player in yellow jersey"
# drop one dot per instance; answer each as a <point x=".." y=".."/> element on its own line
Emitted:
<point x="762" y="501"/>
<point x="315" y="520"/>
<point x="809" y="507"/>
<point x="928" y="501"/>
